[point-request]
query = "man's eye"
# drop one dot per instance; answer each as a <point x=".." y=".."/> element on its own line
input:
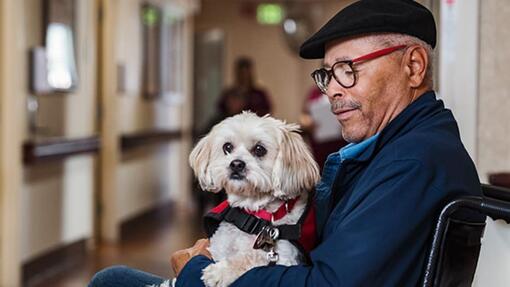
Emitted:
<point x="350" y="72"/>
<point x="228" y="148"/>
<point x="259" y="150"/>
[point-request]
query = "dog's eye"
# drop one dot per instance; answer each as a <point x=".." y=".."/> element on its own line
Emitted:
<point x="228" y="148"/>
<point x="259" y="150"/>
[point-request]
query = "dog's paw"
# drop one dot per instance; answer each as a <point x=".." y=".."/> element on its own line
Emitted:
<point x="218" y="275"/>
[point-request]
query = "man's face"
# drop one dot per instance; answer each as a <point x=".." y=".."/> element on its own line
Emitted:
<point x="378" y="96"/>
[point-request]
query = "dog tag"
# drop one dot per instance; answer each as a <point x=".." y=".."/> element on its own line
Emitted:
<point x="272" y="256"/>
<point x="266" y="239"/>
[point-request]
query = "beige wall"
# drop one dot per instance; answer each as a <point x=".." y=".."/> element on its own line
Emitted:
<point x="12" y="85"/>
<point x="146" y="177"/>
<point x="278" y="69"/>
<point x="458" y="50"/>
<point x="494" y="101"/>
<point x="57" y="197"/>
<point x="51" y="203"/>
<point x="494" y="132"/>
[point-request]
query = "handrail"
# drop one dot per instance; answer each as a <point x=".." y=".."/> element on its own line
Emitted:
<point x="58" y="148"/>
<point x="133" y="140"/>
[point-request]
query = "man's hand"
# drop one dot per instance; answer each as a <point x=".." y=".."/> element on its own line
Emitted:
<point x="181" y="257"/>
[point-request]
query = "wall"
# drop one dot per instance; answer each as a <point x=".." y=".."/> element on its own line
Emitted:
<point x="51" y="203"/>
<point x="150" y="175"/>
<point x="133" y="181"/>
<point x="458" y="61"/>
<point x="493" y="128"/>
<point x="277" y="68"/>
<point x="493" y="132"/>
<point x="57" y="196"/>
<point x="12" y="60"/>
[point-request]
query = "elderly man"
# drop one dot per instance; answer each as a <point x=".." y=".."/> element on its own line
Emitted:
<point x="380" y="195"/>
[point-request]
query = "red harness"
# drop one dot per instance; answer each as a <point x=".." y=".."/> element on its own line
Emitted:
<point x="303" y="234"/>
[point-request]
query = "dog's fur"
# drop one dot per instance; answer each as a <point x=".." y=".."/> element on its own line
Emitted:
<point x="287" y="170"/>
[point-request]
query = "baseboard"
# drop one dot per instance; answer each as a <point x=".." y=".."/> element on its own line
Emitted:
<point x="53" y="262"/>
<point x="69" y="256"/>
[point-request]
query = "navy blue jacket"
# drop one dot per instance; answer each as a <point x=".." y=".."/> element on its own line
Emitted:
<point x="382" y="209"/>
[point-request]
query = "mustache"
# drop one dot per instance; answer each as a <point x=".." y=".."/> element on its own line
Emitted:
<point x="344" y="104"/>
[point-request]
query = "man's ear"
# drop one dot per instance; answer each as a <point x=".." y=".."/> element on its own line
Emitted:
<point x="416" y="64"/>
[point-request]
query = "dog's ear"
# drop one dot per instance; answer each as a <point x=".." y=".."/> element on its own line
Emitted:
<point x="295" y="169"/>
<point x="199" y="162"/>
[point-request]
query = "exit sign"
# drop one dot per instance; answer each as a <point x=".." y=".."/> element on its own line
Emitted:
<point x="269" y="14"/>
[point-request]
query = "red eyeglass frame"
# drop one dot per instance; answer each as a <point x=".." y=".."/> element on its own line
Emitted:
<point x="367" y="57"/>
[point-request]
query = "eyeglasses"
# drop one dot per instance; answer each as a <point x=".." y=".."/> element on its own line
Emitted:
<point x="343" y="71"/>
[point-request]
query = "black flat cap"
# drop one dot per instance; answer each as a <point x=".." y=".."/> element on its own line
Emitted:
<point x="373" y="16"/>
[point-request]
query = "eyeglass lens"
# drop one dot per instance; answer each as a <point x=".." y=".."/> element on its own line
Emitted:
<point x="322" y="78"/>
<point x="343" y="73"/>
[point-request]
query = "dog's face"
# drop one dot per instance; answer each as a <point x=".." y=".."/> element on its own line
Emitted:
<point x="254" y="157"/>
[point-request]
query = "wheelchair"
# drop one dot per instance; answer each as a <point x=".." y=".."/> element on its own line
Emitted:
<point x="456" y="243"/>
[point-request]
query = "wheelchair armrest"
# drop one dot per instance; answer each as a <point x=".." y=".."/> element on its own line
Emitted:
<point x="496" y="209"/>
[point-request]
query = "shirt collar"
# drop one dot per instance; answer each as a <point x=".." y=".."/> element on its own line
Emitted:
<point x="353" y="150"/>
<point x="350" y="151"/>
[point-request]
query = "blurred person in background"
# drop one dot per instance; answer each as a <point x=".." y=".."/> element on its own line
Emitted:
<point x="244" y="94"/>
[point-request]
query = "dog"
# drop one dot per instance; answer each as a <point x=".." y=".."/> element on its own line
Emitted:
<point x="267" y="172"/>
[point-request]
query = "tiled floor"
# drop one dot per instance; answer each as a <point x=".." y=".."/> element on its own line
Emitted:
<point x="146" y="246"/>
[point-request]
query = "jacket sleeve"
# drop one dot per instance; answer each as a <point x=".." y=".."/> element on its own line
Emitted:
<point x="192" y="271"/>
<point x="378" y="239"/>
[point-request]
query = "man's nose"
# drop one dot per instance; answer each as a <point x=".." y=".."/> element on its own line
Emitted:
<point x="334" y="89"/>
<point x="237" y="165"/>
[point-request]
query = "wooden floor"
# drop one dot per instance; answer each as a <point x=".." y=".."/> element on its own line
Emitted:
<point x="146" y="244"/>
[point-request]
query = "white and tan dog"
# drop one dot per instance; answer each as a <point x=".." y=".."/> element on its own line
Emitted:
<point x="261" y="163"/>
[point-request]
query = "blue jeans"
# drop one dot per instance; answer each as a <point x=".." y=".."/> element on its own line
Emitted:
<point x="123" y="276"/>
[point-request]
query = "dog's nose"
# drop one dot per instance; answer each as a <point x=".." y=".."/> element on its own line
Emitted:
<point x="237" y="165"/>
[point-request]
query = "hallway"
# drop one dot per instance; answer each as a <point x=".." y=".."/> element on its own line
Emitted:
<point x="146" y="244"/>
<point x="94" y="159"/>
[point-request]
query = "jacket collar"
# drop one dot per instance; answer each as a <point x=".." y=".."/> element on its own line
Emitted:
<point x="412" y="115"/>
